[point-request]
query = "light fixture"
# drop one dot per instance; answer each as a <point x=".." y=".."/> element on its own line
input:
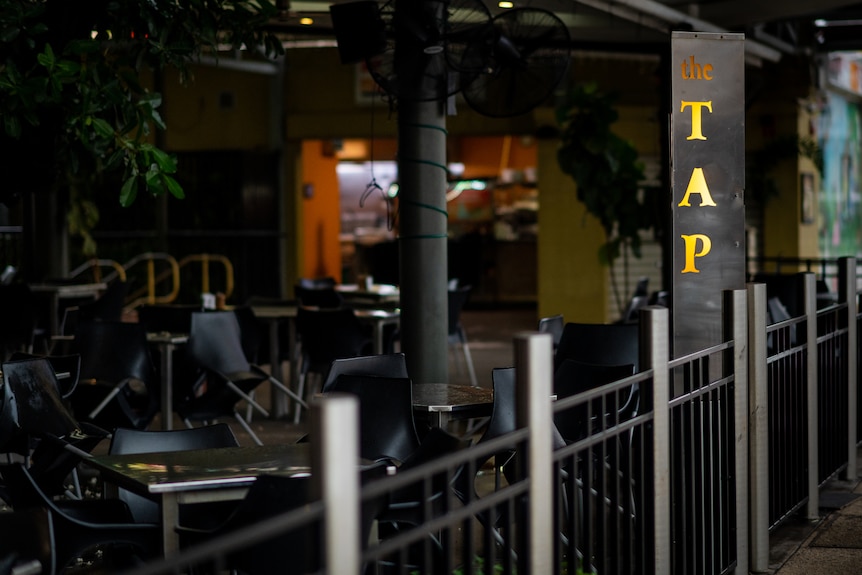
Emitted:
<point x="306" y="21"/>
<point x="505" y="4"/>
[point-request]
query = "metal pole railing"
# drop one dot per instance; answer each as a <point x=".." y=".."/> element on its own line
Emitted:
<point x="847" y="295"/>
<point x="809" y="297"/>
<point x="534" y="367"/>
<point x="655" y="353"/>
<point x="758" y="430"/>
<point x="335" y="460"/>
<point x="736" y="329"/>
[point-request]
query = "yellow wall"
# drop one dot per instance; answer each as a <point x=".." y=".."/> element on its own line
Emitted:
<point x="199" y="115"/>
<point x="321" y="211"/>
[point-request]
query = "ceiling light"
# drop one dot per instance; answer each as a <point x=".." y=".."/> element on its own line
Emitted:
<point x="505" y="4"/>
<point x="306" y="21"/>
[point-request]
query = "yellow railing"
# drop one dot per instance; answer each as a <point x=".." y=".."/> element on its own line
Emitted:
<point x="205" y="260"/>
<point x="146" y="294"/>
<point x="95" y="266"/>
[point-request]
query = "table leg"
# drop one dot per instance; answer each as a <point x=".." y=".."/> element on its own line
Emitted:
<point x="378" y="337"/>
<point x="170" y="519"/>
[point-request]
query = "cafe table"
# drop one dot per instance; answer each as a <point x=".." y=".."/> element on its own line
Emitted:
<point x="444" y="402"/>
<point x="59" y="291"/>
<point x="375" y="293"/>
<point x="198" y="476"/>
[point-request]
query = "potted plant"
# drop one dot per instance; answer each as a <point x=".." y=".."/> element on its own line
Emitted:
<point x="606" y="169"/>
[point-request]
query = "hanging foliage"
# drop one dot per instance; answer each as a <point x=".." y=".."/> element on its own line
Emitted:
<point x="605" y="168"/>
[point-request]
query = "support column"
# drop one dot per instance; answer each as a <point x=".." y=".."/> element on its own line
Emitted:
<point x="422" y="240"/>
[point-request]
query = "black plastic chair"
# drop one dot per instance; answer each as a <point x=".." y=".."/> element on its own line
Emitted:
<point x="612" y="344"/>
<point x="457" y="334"/>
<point x="37" y="424"/>
<point x="119" y="385"/>
<point x="326" y="297"/>
<point x="553" y="325"/>
<point x="19" y="317"/>
<point x="421" y="502"/>
<point x="215" y="345"/>
<point x="386" y="426"/>
<point x="108" y="306"/>
<point x="27" y="544"/>
<point x="125" y="440"/>
<point x="573" y="377"/>
<point x="296" y="551"/>
<point x="326" y="335"/>
<point x="67" y="369"/>
<point x="82" y="527"/>
<point x="383" y="365"/>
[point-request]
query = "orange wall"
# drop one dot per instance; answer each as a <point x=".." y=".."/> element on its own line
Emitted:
<point x="485" y="156"/>
<point x="321" y="219"/>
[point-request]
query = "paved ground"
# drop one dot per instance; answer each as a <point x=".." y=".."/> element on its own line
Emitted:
<point x="830" y="545"/>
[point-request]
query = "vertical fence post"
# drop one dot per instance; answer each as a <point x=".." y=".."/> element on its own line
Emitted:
<point x="654" y="354"/>
<point x="809" y="296"/>
<point x="335" y="478"/>
<point x="534" y="373"/>
<point x="847" y="295"/>
<point x="735" y="315"/>
<point x="758" y="430"/>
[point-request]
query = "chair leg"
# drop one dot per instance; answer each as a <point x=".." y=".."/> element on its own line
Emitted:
<point x="249" y="411"/>
<point x="247" y="428"/>
<point x="300" y="391"/>
<point x="468" y="357"/>
<point x="250" y="400"/>
<point x="111" y="395"/>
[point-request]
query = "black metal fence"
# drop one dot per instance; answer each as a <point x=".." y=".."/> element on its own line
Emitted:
<point x="675" y="487"/>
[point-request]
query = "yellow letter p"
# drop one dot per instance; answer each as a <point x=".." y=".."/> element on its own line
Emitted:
<point x="691" y="251"/>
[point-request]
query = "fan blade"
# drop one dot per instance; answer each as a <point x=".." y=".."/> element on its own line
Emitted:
<point x="528" y="58"/>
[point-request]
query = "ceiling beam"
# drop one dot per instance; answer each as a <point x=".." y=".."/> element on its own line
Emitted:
<point x="653" y="14"/>
<point x="750" y="12"/>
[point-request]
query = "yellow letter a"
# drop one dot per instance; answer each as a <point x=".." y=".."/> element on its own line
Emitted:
<point x="697" y="185"/>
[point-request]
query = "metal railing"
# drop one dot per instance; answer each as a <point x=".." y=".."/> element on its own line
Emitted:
<point x="726" y="443"/>
<point x="162" y="276"/>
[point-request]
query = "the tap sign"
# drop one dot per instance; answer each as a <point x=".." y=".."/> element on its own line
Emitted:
<point x="708" y="180"/>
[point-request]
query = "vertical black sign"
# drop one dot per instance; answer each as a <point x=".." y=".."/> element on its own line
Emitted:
<point x="708" y="178"/>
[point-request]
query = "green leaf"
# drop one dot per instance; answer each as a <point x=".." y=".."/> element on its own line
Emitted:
<point x="46" y="58"/>
<point x="174" y="187"/>
<point x="128" y="192"/>
<point x="103" y="128"/>
<point x="166" y="163"/>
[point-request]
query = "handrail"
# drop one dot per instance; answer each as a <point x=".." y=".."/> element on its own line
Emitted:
<point x="205" y="260"/>
<point x="96" y="265"/>
<point x="147" y="294"/>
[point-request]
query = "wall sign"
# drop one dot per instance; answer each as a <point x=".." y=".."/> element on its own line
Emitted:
<point x="708" y="180"/>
